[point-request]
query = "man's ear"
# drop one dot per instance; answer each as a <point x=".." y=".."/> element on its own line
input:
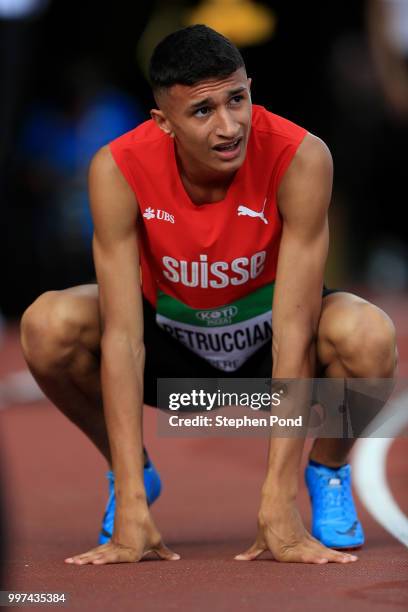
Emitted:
<point x="162" y="122"/>
<point x="249" y="83"/>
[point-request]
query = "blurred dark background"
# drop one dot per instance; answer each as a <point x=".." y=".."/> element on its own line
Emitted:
<point x="72" y="78"/>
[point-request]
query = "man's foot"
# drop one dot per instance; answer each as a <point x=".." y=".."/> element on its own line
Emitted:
<point x="334" y="517"/>
<point x="152" y="485"/>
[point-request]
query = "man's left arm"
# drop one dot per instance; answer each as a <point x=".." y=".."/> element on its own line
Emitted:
<point x="303" y="201"/>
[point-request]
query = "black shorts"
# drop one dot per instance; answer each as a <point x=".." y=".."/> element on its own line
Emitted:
<point x="166" y="357"/>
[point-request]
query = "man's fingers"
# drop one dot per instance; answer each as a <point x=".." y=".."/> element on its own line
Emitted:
<point x="107" y="553"/>
<point x="113" y="553"/>
<point x="313" y="552"/>
<point x="252" y="553"/>
<point x="129" y="555"/>
<point x="84" y="559"/>
<point x="165" y="553"/>
<point x="87" y="555"/>
<point x="80" y="558"/>
<point x="339" y="557"/>
<point x="323" y="554"/>
<point x="122" y="555"/>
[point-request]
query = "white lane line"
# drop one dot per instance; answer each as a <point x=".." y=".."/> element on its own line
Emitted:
<point x="369" y="471"/>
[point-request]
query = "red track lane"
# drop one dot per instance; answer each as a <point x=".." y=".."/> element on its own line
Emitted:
<point x="56" y="493"/>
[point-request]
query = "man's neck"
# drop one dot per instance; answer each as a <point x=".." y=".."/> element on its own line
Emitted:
<point x="204" y="187"/>
<point x="205" y="193"/>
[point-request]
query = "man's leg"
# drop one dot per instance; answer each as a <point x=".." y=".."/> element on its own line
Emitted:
<point x="60" y="337"/>
<point x="355" y="340"/>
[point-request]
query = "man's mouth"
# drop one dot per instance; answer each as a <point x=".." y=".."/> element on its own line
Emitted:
<point x="228" y="151"/>
<point x="230" y="146"/>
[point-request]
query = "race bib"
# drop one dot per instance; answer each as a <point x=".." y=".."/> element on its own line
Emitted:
<point x="225" y="336"/>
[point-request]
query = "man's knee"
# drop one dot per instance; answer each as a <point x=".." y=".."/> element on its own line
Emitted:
<point x="50" y="330"/>
<point x="367" y="342"/>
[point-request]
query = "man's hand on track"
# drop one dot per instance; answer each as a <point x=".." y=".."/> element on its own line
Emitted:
<point x="281" y="531"/>
<point x="130" y="542"/>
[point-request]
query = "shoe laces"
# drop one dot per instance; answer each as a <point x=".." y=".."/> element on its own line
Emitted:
<point x="335" y="496"/>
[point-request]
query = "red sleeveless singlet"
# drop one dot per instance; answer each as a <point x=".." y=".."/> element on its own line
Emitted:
<point x="209" y="269"/>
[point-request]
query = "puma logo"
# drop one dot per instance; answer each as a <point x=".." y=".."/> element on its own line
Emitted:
<point x="244" y="210"/>
<point x="351" y="531"/>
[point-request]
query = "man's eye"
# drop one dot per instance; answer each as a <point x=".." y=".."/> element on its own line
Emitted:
<point x="202" y="112"/>
<point x="237" y="99"/>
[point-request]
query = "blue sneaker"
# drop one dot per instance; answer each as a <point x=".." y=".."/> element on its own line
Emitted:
<point x="152" y="485"/>
<point x="334" y="517"/>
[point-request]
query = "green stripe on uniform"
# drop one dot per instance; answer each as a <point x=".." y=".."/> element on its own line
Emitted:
<point x="252" y="305"/>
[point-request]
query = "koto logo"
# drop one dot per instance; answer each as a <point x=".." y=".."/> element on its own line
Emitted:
<point x="222" y="316"/>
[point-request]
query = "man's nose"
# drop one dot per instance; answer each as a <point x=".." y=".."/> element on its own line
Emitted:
<point x="227" y="127"/>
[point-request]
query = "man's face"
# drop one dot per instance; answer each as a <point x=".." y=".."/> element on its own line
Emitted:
<point x="210" y="121"/>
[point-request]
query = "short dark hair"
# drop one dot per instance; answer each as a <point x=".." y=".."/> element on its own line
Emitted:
<point x="190" y="55"/>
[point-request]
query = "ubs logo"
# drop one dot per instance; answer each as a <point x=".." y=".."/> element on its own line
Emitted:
<point x="151" y="213"/>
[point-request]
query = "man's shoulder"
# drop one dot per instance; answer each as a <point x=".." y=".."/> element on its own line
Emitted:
<point x="265" y="122"/>
<point x="313" y="155"/>
<point x="139" y="150"/>
<point x="141" y="135"/>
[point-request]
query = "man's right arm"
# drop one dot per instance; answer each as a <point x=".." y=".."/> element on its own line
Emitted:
<point x="114" y="212"/>
<point x="116" y="257"/>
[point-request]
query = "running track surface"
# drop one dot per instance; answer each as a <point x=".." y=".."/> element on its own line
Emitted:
<point x="56" y="491"/>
